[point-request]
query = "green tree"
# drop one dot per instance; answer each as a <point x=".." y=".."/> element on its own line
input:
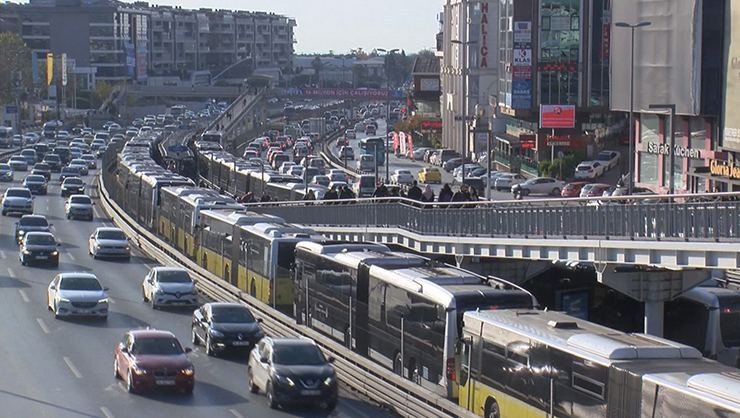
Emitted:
<point x="15" y="66"/>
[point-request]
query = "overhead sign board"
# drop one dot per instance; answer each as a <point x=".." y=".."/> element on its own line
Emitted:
<point x="557" y="116"/>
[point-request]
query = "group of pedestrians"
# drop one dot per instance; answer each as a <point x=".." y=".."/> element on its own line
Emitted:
<point x="339" y="193"/>
<point x="464" y="194"/>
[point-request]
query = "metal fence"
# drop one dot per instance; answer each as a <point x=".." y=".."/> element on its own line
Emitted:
<point x="710" y="217"/>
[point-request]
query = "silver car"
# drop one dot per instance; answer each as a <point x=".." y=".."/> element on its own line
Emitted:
<point x="17" y="200"/>
<point x="169" y="286"/>
<point x="109" y="242"/>
<point x="79" y="206"/>
<point x="77" y="294"/>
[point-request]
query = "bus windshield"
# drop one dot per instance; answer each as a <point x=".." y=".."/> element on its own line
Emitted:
<point x="729" y="318"/>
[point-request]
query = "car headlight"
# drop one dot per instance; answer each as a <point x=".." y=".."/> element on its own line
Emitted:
<point x="188" y="371"/>
<point x="285" y="380"/>
<point x="55" y="253"/>
<point x="104" y="300"/>
<point x="139" y="371"/>
<point x="128" y="248"/>
<point x="26" y="252"/>
<point x="216" y="333"/>
<point x="328" y="381"/>
<point x="21" y="232"/>
<point x="65" y="300"/>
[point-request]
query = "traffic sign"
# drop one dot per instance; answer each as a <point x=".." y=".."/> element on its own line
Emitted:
<point x="11" y="110"/>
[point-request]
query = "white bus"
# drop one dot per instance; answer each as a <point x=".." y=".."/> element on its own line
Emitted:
<point x="528" y="363"/>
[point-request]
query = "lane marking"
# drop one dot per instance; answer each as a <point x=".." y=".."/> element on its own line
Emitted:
<point x="72" y="368"/>
<point x="43" y="326"/>
<point x="106" y="412"/>
<point x="71" y="257"/>
<point x="236" y="413"/>
<point x="3" y="255"/>
<point x="24" y="296"/>
<point x="11" y="273"/>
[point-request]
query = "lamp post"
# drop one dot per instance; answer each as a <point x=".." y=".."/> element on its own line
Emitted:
<point x="672" y="145"/>
<point x="387" y="112"/>
<point x="465" y="70"/>
<point x="632" y="27"/>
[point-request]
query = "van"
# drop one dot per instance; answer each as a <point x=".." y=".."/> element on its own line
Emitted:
<point x="365" y="186"/>
<point x="6" y="137"/>
<point x="366" y="162"/>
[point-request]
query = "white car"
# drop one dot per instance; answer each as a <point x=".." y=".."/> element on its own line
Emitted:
<point x="109" y="242"/>
<point x="539" y="185"/>
<point x="610" y="159"/>
<point x="402" y="177"/>
<point x="17" y="200"/>
<point x="79" y="206"/>
<point x="77" y="294"/>
<point x="169" y="286"/>
<point x="286" y="166"/>
<point x="589" y="170"/>
<point x="505" y="181"/>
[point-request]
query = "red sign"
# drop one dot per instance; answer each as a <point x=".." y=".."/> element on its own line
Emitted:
<point x="431" y="124"/>
<point x="566" y="141"/>
<point x="557" y="116"/>
<point x="527" y="141"/>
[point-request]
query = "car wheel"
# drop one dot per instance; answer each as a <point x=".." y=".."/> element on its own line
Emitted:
<point x="5" y="213"/>
<point x="152" y="303"/>
<point x="252" y="385"/>
<point x="143" y="295"/>
<point x="23" y="261"/>
<point x="555" y="192"/>
<point x="56" y="312"/>
<point x="271" y="402"/>
<point x="209" y="347"/>
<point x="130" y="383"/>
<point x="193" y="336"/>
<point x="116" y="375"/>
<point x="329" y="406"/>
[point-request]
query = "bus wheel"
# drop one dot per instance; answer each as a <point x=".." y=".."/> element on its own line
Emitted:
<point x="492" y="409"/>
<point x="398" y="365"/>
<point x="413" y="373"/>
<point x="347" y="338"/>
<point x="253" y="289"/>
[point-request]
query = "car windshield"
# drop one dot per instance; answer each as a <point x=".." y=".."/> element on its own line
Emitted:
<point x="158" y="346"/>
<point x="18" y="193"/>
<point x="232" y="315"/>
<point x="41" y="166"/>
<point x="33" y="221"/>
<point x="35" y="179"/>
<point x="82" y="200"/>
<point x="729" y="318"/>
<point x="51" y="158"/>
<point x="70" y="170"/>
<point x="79" y="283"/>
<point x="583" y="167"/>
<point x="73" y="181"/>
<point x="17" y="159"/>
<point x="604" y="156"/>
<point x="40" y="239"/>
<point x="297" y="354"/>
<point x="111" y="234"/>
<point x="173" y="276"/>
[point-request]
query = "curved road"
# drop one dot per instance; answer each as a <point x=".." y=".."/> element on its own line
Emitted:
<point x="63" y="368"/>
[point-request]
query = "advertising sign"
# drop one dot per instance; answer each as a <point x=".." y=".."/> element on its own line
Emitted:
<point x="49" y="68"/>
<point x="731" y="120"/>
<point x="522" y="32"/>
<point x="557" y="116"/>
<point x="64" y="69"/>
<point x="522" y="57"/>
<point x="521" y="86"/>
<point x="521" y="94"/>
<point x="527" y="141"/>
<point x="344" y="93"/>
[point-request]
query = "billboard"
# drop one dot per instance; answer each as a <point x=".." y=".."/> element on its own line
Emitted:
<point x="667" y="55"/>
<point x="731" y="119"/>
<point x="521" y="84"/>
<point x="557" y="116"/>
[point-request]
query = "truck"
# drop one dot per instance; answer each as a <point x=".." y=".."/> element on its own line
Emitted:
<point x="318" y="126"/>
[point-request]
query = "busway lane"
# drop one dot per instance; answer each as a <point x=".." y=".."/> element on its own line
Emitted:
<point x="61" y="368"/>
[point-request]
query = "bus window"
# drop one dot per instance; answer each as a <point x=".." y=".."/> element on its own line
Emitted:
<point x="686" y="322"/>
<point x="729" y="318"/>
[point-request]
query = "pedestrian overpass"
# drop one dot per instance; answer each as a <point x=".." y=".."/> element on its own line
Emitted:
<point x="673" y="241"/>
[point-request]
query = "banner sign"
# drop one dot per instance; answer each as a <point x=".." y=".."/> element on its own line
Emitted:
<point x="557" y="116"/>
<point x="344" y="93"/>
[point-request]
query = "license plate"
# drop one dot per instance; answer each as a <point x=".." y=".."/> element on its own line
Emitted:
<point x="310" y="392"/>
<point x="167" y="382"/>
<point x="240" y="343"/>
<point x="82" y="311"/>
<point x="41" y="257"/>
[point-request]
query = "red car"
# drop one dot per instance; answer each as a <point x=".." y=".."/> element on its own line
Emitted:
<point x="148" y="359"/>
<point x="573" y="189"/>
<point x="594" y="189"/>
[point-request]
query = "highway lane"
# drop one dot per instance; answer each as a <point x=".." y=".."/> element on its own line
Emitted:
<point x="63" y="368"/>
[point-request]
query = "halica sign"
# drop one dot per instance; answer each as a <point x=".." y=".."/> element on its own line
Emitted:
<point x="484" y="35"/>
<point x="723" y="169"/>
<point x="678" y="150"/>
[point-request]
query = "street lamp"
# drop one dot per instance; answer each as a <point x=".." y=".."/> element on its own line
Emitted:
<point x="671" y="151"/>
<point x="632" y="27"/>
<point x="387" y="112"/>
<point x="463" y="93"/>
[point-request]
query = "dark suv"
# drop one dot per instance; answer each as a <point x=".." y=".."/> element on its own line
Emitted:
<point x="292" y="371"/>
<point x="54" y="162"/>
<point x="220" y="326"/>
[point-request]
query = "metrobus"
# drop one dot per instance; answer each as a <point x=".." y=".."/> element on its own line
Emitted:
<point x="211" y="136"/>
<point x="708" y="319"/>
<point x="531" y="363"/>
<point x="401" y="310"/>
<point x="374" y="145"/>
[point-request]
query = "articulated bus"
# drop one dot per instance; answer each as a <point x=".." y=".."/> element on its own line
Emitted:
<point x="400" y="310"/>
<point x="374" y="145"/>
<point x="212" y="136"/>
<point x="529" y="363"/>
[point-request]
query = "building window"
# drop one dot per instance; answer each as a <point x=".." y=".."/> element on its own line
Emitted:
<point x="649" y="132"/>
<point x="560" y="45"/>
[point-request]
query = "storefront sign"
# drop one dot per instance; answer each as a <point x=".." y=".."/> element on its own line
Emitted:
<point x="521" y="94"/>
<point x="522" y="32"/>
<point x="678" y="150"/>
<point x="559" y="141"/>
<point x="522" y="57"/>
<point x="731" y="119"/>
<point x="431" y="124"/>
<point x="484" y="35"/>
<point x="557" y="116"/>
<point x="723" y="169"/>
<point x="527" y="141"/>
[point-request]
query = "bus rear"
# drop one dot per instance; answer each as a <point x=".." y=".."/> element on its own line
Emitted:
<point x="374" y="145"/>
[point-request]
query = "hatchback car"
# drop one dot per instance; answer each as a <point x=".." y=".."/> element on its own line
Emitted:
<point x="54" y="161"/>
<point x="151" y="359"/>
<point x="594" y="190"/>
<point x="36" y="183"/>
<point x="42" y="169"/>
<point x="79" y="206"/>
<point x="39" y="247"/>
<point x="109" y="242"/>
<point x="589" y="170"/>
<point x="429" y="175"/>
<point x="220" y="326"/>
<point x="573" y="189"/>
<point x="17" y="200"/>
<point x="538" y="185"/>
<point x="77" y="294"/>
<point x="169" y="286"/>
<point x="92" y="162"/>
<point x="72" y="185"/>
<point x="6" y="172"/>
<point x="18" y="163"/>
<point x="81" y="165"/>
<point x="505" y="181"/>
<point x="30" y="223"/>
<point x="402" y="177"/>
<point x="292" y="371"/>
<point x="610" y="159"/>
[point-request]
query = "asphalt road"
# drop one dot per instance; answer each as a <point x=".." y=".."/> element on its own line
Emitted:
<point x="63" y="368"/>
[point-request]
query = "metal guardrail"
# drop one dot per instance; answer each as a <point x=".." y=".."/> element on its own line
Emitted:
<point x="364" y="376"/>
<point x="707" y="217"/>
<point x="225" y="122"/>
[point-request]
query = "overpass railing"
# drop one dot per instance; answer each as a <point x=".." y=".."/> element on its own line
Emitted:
<point x="704" y="217"/>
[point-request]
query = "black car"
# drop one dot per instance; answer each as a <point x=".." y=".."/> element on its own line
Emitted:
<point x="39" y="247"/>
<point x="42" y="169"/>
<point x="221" y="326"/>
<point x="30" y="223"/>
<point x="69" y="172"/>
<point x="292" y="371"/>
<point x="72" y="185"/>
<point x="36" y="183"/>
<point x="54" y="162"/>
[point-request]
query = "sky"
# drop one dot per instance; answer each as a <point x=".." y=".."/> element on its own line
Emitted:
<point x="341" y="25"/>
